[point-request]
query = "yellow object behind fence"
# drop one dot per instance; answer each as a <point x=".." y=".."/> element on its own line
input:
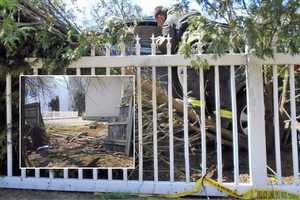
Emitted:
<point x="251" y="194"/>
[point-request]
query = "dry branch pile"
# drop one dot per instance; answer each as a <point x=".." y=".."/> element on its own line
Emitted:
<point x="194" y="133"/>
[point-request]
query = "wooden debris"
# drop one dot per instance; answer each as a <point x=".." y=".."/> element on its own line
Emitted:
<point x="77" y="147"/>
<point x="81" y="134"/>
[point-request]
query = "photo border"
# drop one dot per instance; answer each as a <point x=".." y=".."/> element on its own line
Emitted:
<point x="61" y="168"/>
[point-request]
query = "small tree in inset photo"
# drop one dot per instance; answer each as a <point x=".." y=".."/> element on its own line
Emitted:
<point x="54" y="104"/>
<point x="79" y="102"/>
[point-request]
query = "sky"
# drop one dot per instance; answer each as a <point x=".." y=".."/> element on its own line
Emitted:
<point x="60" y="89"/>
<point x="149" y="5"/>
<point x="84" y="8"/>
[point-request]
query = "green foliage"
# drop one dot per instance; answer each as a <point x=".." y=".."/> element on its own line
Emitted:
<point x="122" y="10"/>
<point x="229" y="25"/>
<point x="79" y="102"/>
<point x="199" y="63"/>
<point x="117" y="31"/>
<point x="44" y="29"/>
<point x="7" y="6"/>
<point x="10" y="33"/>
<point x="27" y="30"/>
<point x="115" y="195"/>
<point x="83" y="40"/>
<point x="203" y="34"/>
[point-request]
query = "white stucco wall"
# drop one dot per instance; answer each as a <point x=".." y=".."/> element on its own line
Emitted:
<point x="103" y="96"/>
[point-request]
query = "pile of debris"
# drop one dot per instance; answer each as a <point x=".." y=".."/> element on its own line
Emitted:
<point x="163" y="143"/>
<point x="78" y="146"/>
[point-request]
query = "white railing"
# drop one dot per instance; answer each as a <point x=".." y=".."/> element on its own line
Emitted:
<point x="256" y="127"/>
<point x="59" y="115"/>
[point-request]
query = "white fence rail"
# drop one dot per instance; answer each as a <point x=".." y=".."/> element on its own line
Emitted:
<point x="59" y="115"/>
<point x="256" y="128"/>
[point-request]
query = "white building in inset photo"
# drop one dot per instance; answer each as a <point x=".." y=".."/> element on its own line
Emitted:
<point x="103" y="97"/>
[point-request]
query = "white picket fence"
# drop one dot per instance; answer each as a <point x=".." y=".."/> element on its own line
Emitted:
<point x="256" y="128"/>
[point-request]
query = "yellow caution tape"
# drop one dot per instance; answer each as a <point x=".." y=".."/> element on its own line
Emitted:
<point x="222" y="188"/>
<point x="226" y="114"/>
<point x="251" y="194"/>
<point x="195" y="102"/>
<point x="269" y="194"/>
<point x="196" y="188"/>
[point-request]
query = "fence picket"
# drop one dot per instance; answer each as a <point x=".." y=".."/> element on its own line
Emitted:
<point x="123" y="53"/>
<point x="80" y="173"/>
<point x="234" y="126"/>
<point x="276" y="123"/>
<point x="66" y="173"/>
<point x="202" y="120"/>
<point x="125" y="174"/>
<point x="170" y="114"/>
<point x="95" y="174"/>
<point x="109" y="175"/>
<point x="218" y="125"/>
<point x="78" y="72"/>
<point x="293" y="124"/>
<point x="23" y="173"/>
<point x="139" y="104"/>
<point x="154" y="112"/>
<point x="9" y="124"/>
<point x="51" y="174"/>
<point x="107" y="53"/>
<point x="185" y="126"/>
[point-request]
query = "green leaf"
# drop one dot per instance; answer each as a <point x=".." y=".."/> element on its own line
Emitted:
<point x="8" y="4"/>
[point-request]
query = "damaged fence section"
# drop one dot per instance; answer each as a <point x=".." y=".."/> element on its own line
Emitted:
<point x="238" y="120"/>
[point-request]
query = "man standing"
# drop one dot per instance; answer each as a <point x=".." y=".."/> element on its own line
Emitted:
<point x="174" y="25"/>
<point x="169" y="22"/>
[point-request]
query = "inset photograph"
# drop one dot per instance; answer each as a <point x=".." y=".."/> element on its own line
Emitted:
<point x="77" y="121"/>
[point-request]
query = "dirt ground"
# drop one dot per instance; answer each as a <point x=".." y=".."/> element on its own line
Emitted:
<point x="77" y="143"/>
<point x="13" y="194"/>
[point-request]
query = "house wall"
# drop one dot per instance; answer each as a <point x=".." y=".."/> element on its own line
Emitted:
<point x="103" y="97"/>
